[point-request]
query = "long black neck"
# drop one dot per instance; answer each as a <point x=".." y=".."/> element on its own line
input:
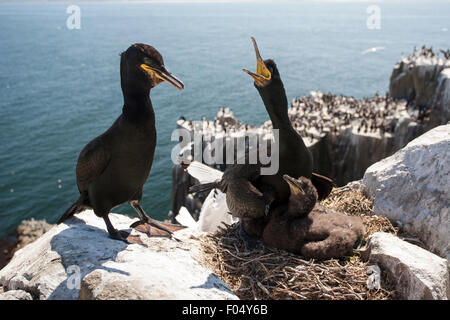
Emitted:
<point x="275" y="101"/>
<point x="137" y="105"/>
<point x="295" y="158"/>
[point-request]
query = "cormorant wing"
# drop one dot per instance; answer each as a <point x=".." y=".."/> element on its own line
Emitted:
<point x="323" y="184"/>
<point x="93" y="160"/>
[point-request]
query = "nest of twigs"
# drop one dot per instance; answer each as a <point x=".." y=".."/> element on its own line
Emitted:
<point x="269" y="273"/>
<point x="354" y="202"/>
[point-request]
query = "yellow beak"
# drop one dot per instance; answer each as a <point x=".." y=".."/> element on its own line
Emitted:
<point x="161" y="74"/>
<point x="262" y="74"/>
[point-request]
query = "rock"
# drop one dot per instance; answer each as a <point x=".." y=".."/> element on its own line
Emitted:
<point x="79" y="260"/>
<point x="413" y="187"/>
<point x="27" y="232"/>
<point x="401" y="84"/>
<point x="7" y="247"/>
<point x="418" y="273"/>
<point x="374" y="279"/>
<point x="441" y="100"/>
<point x="416" y="77"/>
<point x="15" y="295"/>
<point x="30" y="230"/>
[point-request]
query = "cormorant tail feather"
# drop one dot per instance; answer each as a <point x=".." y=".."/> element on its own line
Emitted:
<point x="324" y="185"/>
<point x="203" y="187"/>
<point x="75" y="208"/>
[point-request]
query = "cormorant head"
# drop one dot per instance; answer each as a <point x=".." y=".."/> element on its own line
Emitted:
<point x="303" y="194"/>
<point x="266" y="70"/>
<point x="142" y="68"/>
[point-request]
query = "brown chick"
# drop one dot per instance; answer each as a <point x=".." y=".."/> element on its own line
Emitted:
<point x="310" y="229"/>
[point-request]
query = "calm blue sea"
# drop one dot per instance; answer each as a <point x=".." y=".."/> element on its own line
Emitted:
<point x="59" y="88"/>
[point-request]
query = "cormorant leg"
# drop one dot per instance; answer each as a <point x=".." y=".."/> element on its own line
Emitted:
<point x="146" y="219"/>
<point x="137" y="207"/>
<point x="113" y="232"/>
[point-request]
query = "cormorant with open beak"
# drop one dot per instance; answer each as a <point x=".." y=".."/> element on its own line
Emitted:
<point x="249" y="194"/>
<point x="113" y="167"/>
<point x="294" y="157"/>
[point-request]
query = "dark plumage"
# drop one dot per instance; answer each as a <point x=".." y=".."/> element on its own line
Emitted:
<point x="114" y="166"/>
<point x="311" y="229"/>
<point x="246" y="198"/>
<point x="250" y="194"/>
<point x="294" y="157"/>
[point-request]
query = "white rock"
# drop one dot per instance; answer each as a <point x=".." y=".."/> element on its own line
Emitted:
<point x="80" y="253"/>
<point x="418" y="273"/>
<point x="413" y="187"/>
<point x="374" y="280"/>
<point x="15" y="295"/>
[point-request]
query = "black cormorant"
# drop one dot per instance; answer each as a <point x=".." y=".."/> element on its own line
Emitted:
<point x="114" y="166"/>
<point x="294" y="157"/>
<point x="249" y="194"/>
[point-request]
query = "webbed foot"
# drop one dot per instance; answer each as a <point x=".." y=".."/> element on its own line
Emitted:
<point x="124" y="236"/>
<point x="153" y="228"/>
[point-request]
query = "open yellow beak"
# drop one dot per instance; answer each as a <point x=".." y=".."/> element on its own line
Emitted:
<point x="262" y="74"/>
<point x="294" y="185"/>
<point x="159" y="75"/>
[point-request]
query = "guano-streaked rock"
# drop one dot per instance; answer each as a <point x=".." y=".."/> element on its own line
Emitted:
<point x="413" y="187"/>
<point x="80" y="254"/>
<point x="418" y="273"/>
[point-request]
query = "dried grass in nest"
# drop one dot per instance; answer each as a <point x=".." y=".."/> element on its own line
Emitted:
<point x="354" y="202"/>
<point x="268" y="273"/>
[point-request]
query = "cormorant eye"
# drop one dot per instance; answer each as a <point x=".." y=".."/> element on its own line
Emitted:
<point x="270" y="69"/>
<point x="147" y="60"/>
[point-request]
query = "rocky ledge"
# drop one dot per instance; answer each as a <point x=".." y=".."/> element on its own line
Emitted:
<point x="27" y="232"/>
<point x="78" y="260"/>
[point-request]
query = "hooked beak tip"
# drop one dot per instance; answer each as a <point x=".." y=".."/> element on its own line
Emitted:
<point x="293" y="183"/>
<point x="262" y="74"/>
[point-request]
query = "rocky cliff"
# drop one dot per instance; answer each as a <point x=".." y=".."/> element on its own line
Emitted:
<point x="78" y="260"/>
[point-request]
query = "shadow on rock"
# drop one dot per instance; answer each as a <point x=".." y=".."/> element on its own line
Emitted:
<point x="83" y="248"/>
<point x="213" y="282"/>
